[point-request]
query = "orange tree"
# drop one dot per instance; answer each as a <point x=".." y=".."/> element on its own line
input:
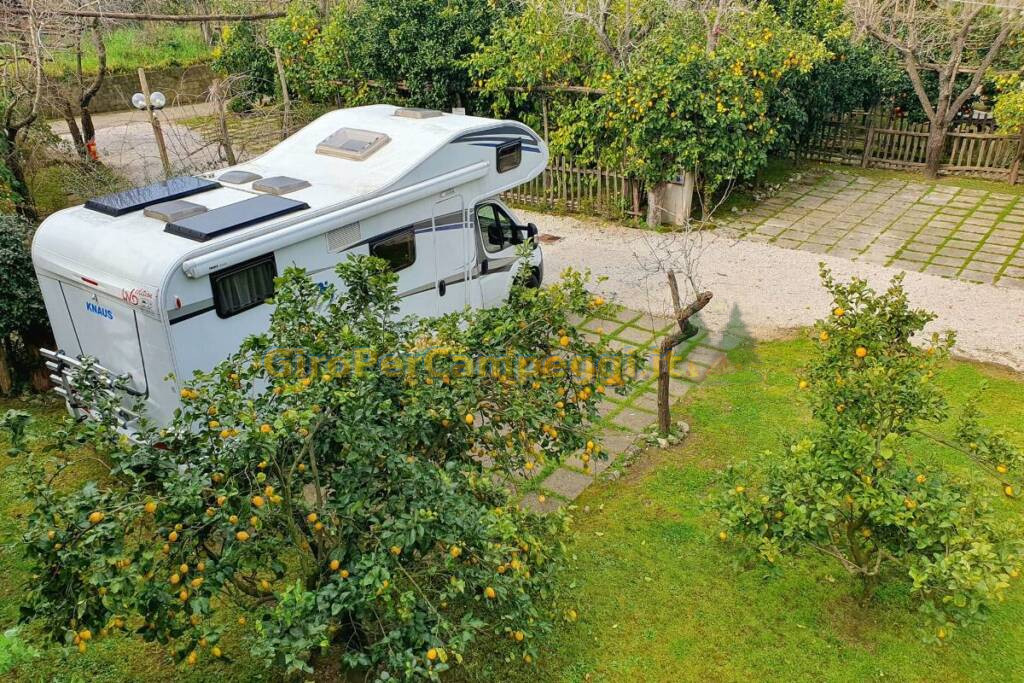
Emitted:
<point x="329" y="480"/>
<point x="846" y="488"/>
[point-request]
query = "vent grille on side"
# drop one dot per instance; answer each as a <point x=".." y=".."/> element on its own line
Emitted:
<point x="344" y="237"/>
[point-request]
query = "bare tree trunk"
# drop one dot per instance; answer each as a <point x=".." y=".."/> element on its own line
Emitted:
<point x="217" y="92"/>
<point x="73" y="130"/>
<point x="88" y="129"/>
<point x="6" y="378"/>
<point x="935" y="149"/>
<point x="668" y="345"/>
<point x="653" y="206"/>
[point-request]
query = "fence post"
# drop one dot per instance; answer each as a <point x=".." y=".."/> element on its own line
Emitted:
<point x="868" y="144"/>
<point x="1015" y="169"/>
<point x="285" y="123"/>
<point x="158" y="133"/>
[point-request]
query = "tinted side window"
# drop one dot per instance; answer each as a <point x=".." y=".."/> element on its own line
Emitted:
<point x="509" y="156"/>
<point x="398" y="250"/>
<point x="243" y="286"/>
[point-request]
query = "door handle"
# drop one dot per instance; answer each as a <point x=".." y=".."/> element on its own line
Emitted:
<point x="484" y="267"/>
<point x="441" y="288"/>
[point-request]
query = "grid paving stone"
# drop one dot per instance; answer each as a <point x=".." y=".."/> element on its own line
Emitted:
<point x="636" y="335"/>
<point x="945" y="271"/>
<point x="538" y="502"/>
<point x="904" y="223"/>
<point x="626" y="315"/>
<point x="706" y="356"/>
<point x="976" y="276"/>
<point x="647" y="400"/>
<point x="566" y="483"/>
<point x="633" y="419"/>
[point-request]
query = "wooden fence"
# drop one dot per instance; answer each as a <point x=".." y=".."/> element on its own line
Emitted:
<point x="868" y="141"/>
<point x="568" y="187"/>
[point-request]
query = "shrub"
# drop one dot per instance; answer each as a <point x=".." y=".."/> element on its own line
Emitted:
<point x="846" y="487"/>
<point x="23" y="319"/>
<point x="243" y="52"/>
<point x="337" y="505"/>
<point x="1009" y="111"/>
<point x="411" y="50"/>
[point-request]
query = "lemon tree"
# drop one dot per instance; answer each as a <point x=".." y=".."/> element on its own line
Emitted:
<point x="357" y="512"/>
<point x="660" y="97"/>
<point x="681" y="107"/>
<point x="845" y="487"/>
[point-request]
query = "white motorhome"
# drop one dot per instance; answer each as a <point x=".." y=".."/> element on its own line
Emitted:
<point x="170" y="278"/>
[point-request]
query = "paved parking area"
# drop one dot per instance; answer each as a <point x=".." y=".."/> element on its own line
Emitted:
<point x="966" y="233"/>
<point x="624" y="418"/>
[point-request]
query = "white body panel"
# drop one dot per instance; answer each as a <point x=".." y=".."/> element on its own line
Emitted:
<point x="141" y="301"/>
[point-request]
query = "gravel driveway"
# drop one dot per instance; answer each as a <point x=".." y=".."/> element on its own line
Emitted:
<point x="770" y="290"/>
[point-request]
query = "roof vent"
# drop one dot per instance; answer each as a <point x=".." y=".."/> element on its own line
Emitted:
<point x="280" y="184"/>
<point x="239" y="177"/>
<point x="417" y="113"/>
<point x="352" y="143"/>
<point x="341" y="238"/>
<point x="174" y="210"/>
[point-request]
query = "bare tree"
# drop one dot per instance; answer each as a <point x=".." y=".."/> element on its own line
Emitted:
<point x="950" y="37"/>
<point x="24" y="95"/>
<point x="664" y="255"/>
<point x="79" y="94"/>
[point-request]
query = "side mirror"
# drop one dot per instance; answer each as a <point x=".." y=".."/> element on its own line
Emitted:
<point x="531" y="229"/>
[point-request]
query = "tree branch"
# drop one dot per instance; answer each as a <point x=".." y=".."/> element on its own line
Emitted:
<point x="990" y="57"/>
<point x="134" y="16"/>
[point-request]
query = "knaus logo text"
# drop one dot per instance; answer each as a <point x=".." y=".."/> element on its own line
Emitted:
<point x="99" y="310"/>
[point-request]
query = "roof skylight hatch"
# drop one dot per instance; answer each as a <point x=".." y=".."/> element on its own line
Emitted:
<point x="174" y="210"/>
<point x="352" y="143"/>
<point x="280" y="184"/>
<point x="239" y="177"/>
<point x="417" y="113"/>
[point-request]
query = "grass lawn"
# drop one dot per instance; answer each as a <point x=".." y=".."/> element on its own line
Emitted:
<point x="151" y="46"/>
<point x="660" y="598"/>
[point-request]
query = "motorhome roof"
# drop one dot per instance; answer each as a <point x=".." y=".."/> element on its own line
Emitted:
<point x="136" y="248"/>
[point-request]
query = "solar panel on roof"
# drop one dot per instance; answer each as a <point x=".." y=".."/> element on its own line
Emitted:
<point x="222" y="220"/>
<point x="120" y="203"/>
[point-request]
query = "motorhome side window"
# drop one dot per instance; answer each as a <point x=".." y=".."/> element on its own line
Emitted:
<point x="509" y="156"/>
<point x="244" y="286"/>
<point x="497" y="230"/>
<point x="398" y="250"/>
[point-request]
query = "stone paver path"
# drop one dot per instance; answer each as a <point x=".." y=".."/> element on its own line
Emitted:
<point x="625" y="417"/>
<point x="970" y="234"/>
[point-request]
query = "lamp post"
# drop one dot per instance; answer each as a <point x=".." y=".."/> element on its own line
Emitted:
<point x="151" y="102"/>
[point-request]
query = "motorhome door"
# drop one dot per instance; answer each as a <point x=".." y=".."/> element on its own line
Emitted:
<point x="451" y="255"/>
<point x="498" y="238"/>
<point x="106" y="329"/>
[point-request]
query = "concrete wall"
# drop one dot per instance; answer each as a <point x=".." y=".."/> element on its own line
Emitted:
<point x="181" y="85"/>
